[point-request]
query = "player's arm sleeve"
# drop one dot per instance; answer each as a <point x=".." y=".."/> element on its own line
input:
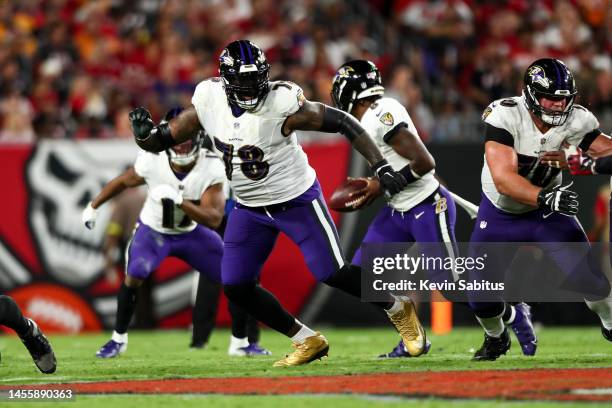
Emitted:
<point x="497" y="127"/>
<point x="288" y="98"/>
<point x="498" y="135"/>
<point x="393" y="117"/>
<point x="584" y="128"/>
<point x="142" y="165"/>
<point x="217" y="172"/>
<point x="199" y="99"/>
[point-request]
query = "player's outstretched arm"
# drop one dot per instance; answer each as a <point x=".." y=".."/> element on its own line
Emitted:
<point x="211" y="208"/>
<point x="128" y="178"/>
<point x="116" y="186"/>
<point x="165" y="135"/>
<point x="318" y="116"/>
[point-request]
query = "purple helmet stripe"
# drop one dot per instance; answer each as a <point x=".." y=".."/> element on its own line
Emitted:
<point x="248" y="47"/>
<point x="241" y="51"/>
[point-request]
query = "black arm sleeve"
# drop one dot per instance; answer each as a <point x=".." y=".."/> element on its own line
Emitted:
<point x="498" y="135"/>
<point x="335" y="120"/>
<point x="588" y="139"/>
<point x="158" y="140"/>
<point x="390" y="134"/>
<point x="603" y="165"/>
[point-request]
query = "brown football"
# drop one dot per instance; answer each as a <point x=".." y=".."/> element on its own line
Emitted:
<point x="341" y="199"/>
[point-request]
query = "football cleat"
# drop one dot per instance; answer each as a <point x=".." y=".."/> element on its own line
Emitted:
<point x="523" y="328"/>
<point x="197" y="344"/>
<point x="493" y="347"/>
<point x="607" y="333"/>
<point x="400" y="351"/>
<point x="111" y="349"/>
<point x="40" y="349"/>
<point x="314" y="347"/>
<point x="410" y="329"/>
<point x="253" y="349"/>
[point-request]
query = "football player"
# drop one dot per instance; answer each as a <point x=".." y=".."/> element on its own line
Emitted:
<point x="424" y="211"/>
<point x="252" y="123"/>
<point x="184" y="204"/>
<point x="581" y="164"/>
<point x="523" y="200"/>
<point x="29" y="333"/>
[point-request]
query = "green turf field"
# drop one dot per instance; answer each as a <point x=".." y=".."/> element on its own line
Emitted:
<point x="164" y="354"/>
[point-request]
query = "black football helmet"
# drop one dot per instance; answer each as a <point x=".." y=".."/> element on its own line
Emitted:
<point x="355" y="80"/>
<point x="550" y="78"/>
<point x="185" y="153"/>
<point x="246" y="74"/>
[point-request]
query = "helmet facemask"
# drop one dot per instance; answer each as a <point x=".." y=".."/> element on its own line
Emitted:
<point x="549" y="116"/>
<point x="245" y="73"/>
<point x="186" y="153"/>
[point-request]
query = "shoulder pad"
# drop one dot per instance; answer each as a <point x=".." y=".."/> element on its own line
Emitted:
<point x="284" y="99"/>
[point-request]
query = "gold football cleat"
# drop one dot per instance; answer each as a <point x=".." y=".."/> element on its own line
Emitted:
<point x="410" y="329"/>
<point x="314" y="347"/>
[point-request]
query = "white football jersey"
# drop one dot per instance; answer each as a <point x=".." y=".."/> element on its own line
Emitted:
<point x="512" y="117"/>
<point x="263" y="166"/>
<point x="156" y="170"/>
<point x="381" y="120"/>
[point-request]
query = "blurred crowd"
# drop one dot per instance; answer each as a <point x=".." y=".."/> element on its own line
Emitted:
<point x="75" y="68"/>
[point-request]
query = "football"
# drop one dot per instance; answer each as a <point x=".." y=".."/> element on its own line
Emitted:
<point x="342" y="199"/>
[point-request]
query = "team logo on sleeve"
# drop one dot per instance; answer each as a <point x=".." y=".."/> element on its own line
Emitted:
<point x="538" y="75"/>
<point x="486" y="112"/>
<point x="301" y="99"/>
<point x="387" y="119"/>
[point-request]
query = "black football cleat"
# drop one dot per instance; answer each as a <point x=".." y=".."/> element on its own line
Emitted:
<point x="40" y="349"/>
<point x="493" y="347"/>
<point x="607" y="333"/>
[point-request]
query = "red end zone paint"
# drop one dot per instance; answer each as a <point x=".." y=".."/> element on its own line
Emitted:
<point x="540" y="384"/>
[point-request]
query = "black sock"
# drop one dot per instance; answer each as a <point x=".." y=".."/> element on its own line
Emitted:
<point x="205" y="310"/>
<point x="348" y="279"/>
<point x="11" y="316"/>
<point x="253" y="331"/>
<point x="126" y="304"/>
<point x="262" y="305"/>
<point x="507" y="312"/>
<point x="239" y="320"/>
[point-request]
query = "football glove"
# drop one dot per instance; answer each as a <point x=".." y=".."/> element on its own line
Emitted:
<point x="167" y="191"/>
<point x="559" y="199"/>
<point x="581" y="164"/>
<point x="141" y="123"/>
<point x="89" y="216"/>
<point x="390" y="180"/>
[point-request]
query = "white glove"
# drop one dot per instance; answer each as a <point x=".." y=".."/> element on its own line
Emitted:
<point x="89" y="216"/>
<point x="167" y="191"/>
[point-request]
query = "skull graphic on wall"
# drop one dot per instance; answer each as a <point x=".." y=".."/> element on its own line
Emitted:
<point x="63" y="177"/>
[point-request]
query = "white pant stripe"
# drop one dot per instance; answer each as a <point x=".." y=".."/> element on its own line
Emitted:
<point x="329" y="231"/>
<point x="446" y="237"/>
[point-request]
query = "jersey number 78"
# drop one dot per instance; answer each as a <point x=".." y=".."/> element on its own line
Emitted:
<point x="253" y="165"/>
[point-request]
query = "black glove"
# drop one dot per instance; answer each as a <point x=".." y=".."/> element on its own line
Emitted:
<point x="559" y="199"/>
<point x="390" y="180"/>
<point x="141" y="122"/>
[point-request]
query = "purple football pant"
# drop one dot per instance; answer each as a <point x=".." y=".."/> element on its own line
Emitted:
<point x="432" y="220"/>
<point x="251" y="233"/>
<point x="201" y="248"/>
<point x="550" y="230"/>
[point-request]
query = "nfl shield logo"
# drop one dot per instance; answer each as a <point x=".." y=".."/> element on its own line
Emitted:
<point x="483" y="224"/>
